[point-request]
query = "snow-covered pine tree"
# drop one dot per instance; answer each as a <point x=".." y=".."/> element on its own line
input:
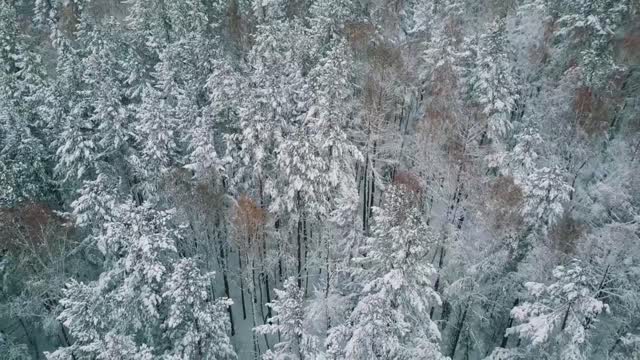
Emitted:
<point x="171" y="123"/>
<point x="328" y="17"/>
<point x="287" y="323"/>
<point x="272" y="157"/>
<point x="545" y="193"/>
<point x="493" y="82"/>
<point x="275" y="103"/>
<point x="149" y="23"/>
<point x="589" y="27"/>
<point x="319" y="152"/>
<point x="23" y="156"/>
<point x="96" y="130"/>
<point x="443" y="69"/>
<point x="196" y="325"/>
<point x="558" y="319"/>
<point x="391" y="317"/>
<point x="104" y="93"/>
<point x="545" y="187"/>
<point x="136" y="99"/>
<point x="157" y="132"/>
<point x="332" y="120"/>
<point x="64" y="110"/>
<point x="316" y="152"/>
<point x="419" y="16"/>
<point x="139" y="299"/>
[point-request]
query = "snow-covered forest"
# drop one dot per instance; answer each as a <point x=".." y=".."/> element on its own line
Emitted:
<point x="319" y="179"/>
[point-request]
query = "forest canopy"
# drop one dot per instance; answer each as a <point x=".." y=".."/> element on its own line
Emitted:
<point x="320" y="179"/>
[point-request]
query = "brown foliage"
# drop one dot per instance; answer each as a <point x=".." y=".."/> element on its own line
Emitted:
<point x="583" y="102"/>
<point x="407" y="180"/>
<point x="384" y="56"/>
<point x="238" y="25"/>
<point x="204" y="194"/>
<point x="249" y="220"/>
<point x="565" y="233"/>
<point x="444" y="82"/>
<point x="384" y="68"/>
<point x="29" y="227"/>
<point x="456" y="148"/>
<point x="591" y="110"/>
<point x="453" y="29"/>
<point x="504" y="203"/>
<point x="629" y="46"/>
<point x="441" y="113"/>
<point x="550" y="28"/>
<point x="373" y="93"/>
<point x="438" y="116"/>
<point x="538" y="54"/>
<point x="358" y="34"/>
<point x="631" y="43"/>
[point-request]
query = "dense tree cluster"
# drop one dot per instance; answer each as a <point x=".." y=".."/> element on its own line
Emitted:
<point x="319" y="179"/>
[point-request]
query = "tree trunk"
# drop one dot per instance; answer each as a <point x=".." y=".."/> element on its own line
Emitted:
<point x="65" y="337"/>
<point x="365" y="197"/>
<point x="458" y="331"/>
<point x="505" y="338"/>
<point x="436" y="285"/>
<point x="32" y="341"/>
<point x="225" y="281"/>
<point x="372" y="187"/>
<point x="256" y="345"/>
<point x="299" y="243"/>
<point x="276" y="225"/>
<point x="244" y="309"/>
<point x="306" y="253"/>
<point x="566" y="316"/>
<point x="268" y="294"/>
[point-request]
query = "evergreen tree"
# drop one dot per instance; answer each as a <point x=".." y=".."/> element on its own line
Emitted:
<point x="23" y="156"/>
<point x="196" y="325"/>
<point x="139" y="248"/>
<point x="287" y="323"/>
<point x="493" y="83"/>
<point x="590" y="27"/>
<point x="391" y="318"/>
<point x="349" y="141"/>
<point x="270" y="120"/>
<point x="561" y="314"/>
<point x="95" y="131"/>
